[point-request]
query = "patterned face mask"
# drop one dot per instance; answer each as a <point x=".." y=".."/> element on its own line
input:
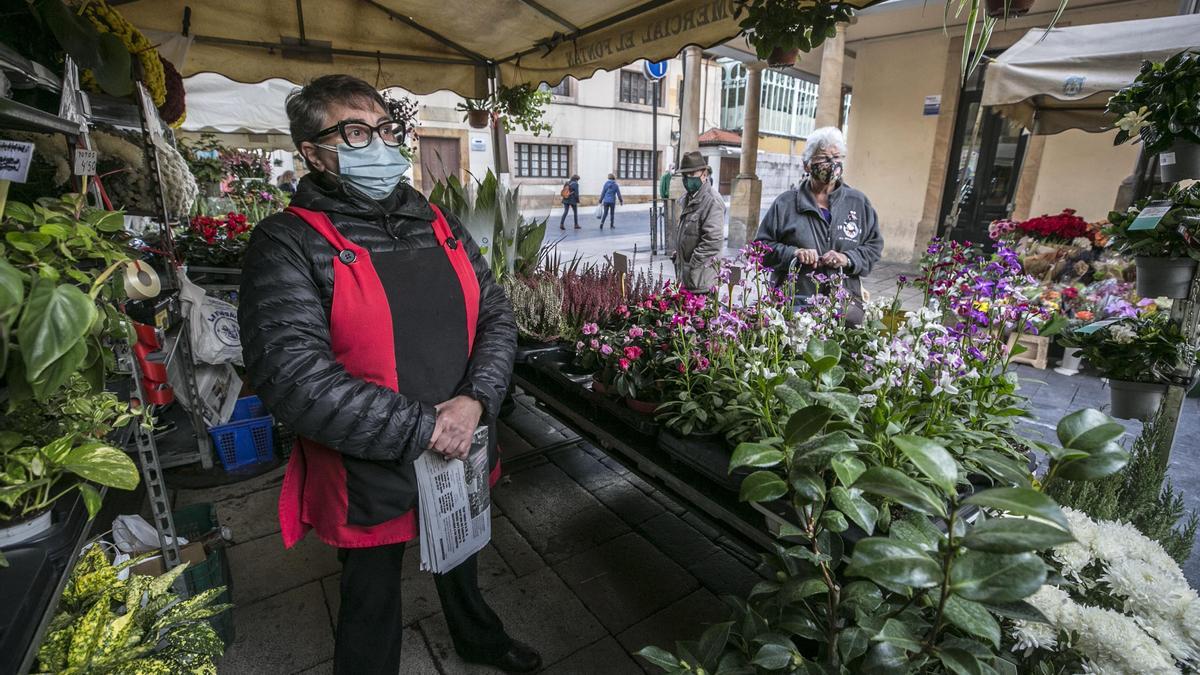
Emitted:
<point x="826" y="172"/>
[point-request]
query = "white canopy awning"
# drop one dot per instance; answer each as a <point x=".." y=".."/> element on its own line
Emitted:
<point x="217" y="104"/>
<point x="429" y="45"/>
<point x="1064" y="80"/>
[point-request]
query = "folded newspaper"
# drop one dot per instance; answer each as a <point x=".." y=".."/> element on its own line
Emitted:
<point x="455" y="505"/>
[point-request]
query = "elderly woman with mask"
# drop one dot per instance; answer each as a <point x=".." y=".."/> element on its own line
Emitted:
<point x="823" y="225"/>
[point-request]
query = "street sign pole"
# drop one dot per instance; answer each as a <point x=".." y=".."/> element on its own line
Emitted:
<point x="655" y="72"/>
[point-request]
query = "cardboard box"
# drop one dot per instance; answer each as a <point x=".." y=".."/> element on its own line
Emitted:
<point x="192" y="553"/>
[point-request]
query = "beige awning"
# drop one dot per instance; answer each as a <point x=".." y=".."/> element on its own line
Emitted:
<point x="1065" y="80"/>
<point x="429" y="45"/>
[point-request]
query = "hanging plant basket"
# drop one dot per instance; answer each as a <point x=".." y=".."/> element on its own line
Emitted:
<point x="1180" y="162"/>
<point x="24" y="530"/>
<point x="781" y="57"/>
<point x="999" y="9"/>
<point x="1135" y="400"/>
<point x="1164" y="277"/>
<point x="478" y="119"/>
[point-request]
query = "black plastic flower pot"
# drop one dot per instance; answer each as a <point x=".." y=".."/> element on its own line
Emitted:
<point x="1179" y="162"/>
<point x="1164" y="277"/>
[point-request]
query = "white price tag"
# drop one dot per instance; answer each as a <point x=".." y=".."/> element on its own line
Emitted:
<point x="1166" y="158"/>
<point x="15" y="158"/>
<point x="85" y="162"/>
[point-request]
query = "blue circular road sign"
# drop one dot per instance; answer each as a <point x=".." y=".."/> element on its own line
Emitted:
<point x="656" y="70"/>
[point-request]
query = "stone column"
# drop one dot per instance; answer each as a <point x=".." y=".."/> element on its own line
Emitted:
<point x="829" y="90"/>
<point x="689" y="124"/>
<point x="746" y="201"/>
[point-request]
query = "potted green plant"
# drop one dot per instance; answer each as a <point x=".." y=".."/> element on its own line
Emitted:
<point x="780" y="29"/>
<point x="1138" y="355"/>
<point x="99" y="630"/>
<point x="1162" y="108"/>
<point x="478" y="112"/>
<point x="981" y="19"/>
<point x="1166" y="254"/>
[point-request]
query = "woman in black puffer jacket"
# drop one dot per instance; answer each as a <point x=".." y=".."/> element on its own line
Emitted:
<point x="372" y="326"/>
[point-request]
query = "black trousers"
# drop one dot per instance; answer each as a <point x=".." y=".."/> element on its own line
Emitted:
<point x="566" y="208"/>
<point x="369" y="625"/>
<point x="609" y="213"/>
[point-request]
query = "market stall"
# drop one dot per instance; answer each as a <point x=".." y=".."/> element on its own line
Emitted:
<point x="1100" y="78"/>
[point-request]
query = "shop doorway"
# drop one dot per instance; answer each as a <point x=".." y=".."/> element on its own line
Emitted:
<point x="439" y="159"/>
<point x="984" y="168"/>
<point x="729" y="171"/>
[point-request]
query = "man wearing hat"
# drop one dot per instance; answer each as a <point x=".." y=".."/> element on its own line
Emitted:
<point x="699" y="236"/>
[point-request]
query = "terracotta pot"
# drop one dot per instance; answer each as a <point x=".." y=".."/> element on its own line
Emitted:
<point x="642" y="407"/>
<point x="478" y="119"/>
<point x="782" y="57"/>
<point x="996" y="8"/>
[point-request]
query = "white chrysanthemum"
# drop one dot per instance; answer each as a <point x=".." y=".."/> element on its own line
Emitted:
<point x="1113" y="642"/>
<point x="1122" y="334"/>
<point x="1158" y="602"/>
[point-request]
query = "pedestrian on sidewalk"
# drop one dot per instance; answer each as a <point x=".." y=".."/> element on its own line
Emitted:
<point x="372" y="326"/>
<point x="700" y="235"/>
<point x="570" y="200"/>
<point x="609" y="195"/>
<point x="823" y="226"/>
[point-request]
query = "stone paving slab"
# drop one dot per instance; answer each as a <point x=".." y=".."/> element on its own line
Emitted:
<point x="625" y="580"/>
<point x="262" y="568"/>
<point x="538" y="609"/>
<point x="724" y="574"/>
<point x="414" y="658"/>
<point x="285" y="633"/>
<point x="684" y="619"/>
<point x="676" y="538"/>
<point x="629" y="503"/>
<point x="556" y="516"/>
<point x="606" y="657"/>
<point x="583" y="468"/>
<point x="514" y="549"/>
<point x="251" y="516"/>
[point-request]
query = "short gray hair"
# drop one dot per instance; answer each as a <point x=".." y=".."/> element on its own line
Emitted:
<point x="819" y="139"/>
<point x="306" y="107"/>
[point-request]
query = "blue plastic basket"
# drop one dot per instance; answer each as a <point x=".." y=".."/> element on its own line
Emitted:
<point x="248" y="438"/>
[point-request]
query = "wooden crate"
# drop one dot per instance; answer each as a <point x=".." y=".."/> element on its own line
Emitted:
<point x="1038" y="350"/>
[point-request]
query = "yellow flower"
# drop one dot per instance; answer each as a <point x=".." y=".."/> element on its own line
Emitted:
<point x="108" y="20"/>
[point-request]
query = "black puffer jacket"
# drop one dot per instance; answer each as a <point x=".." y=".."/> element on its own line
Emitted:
<point x="284" y="312"/>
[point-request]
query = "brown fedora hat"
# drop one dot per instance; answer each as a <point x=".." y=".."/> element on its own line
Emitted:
<point x="691" y="162"/>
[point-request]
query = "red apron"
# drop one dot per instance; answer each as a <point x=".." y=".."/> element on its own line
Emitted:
<point x="314" y="494"/>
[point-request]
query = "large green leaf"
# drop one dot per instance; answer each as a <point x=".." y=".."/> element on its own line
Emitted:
<point x="29" y="242"/>
<point x="659" y="657"/>
<point x="1095" y="466"/>
<point x="806" y="423"/>
<point x="894" y="564"/>
<point x="54" y="321"/>
<point x="995" y="577"/>
<point x="850" y="502"/>
<point x="972" y="618"/>
<point x="890" y="483"/>
<point x="847" y="468"/>
<point x="817" y="451"/>
<point x="58" y="372"/>
<point x="712" y="644"/>
<point x="1020" y="502"/>
<point x="808" y="485"/>
<point x="91" y="499"/>
<point x="756" y="455"/>
<point x="762" y="486"/>
<point x="822" y="354"/>
<point x="12" y="291"/>
<point x="897" y="633"/>
<point x="930" y="459"/>
<point x="841" y="403"/>
<point x="103" y="464"/>
<point x="773" y="656"/>
<point x="960" y="662"/>
<point x="1014" y="535"/>
<point x="1088" y="430"/>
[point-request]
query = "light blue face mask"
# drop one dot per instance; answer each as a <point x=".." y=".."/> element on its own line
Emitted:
<point x="375" y="169"/>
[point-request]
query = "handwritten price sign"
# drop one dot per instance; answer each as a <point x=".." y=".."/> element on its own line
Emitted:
<point x="15" y="158"/>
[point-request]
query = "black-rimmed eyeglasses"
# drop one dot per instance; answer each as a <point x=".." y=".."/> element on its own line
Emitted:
<point x="358" y="134"/>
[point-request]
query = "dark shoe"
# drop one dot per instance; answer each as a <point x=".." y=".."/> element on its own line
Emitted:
<point x="562" y="227"/>
<point x="520" y="658"/>
<point x="577" y="227"/>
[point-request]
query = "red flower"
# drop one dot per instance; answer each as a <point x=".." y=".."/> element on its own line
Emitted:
<point x="633" y="353"/>
<point x="624" y="363"/>
<point x="1070" y="292"/>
